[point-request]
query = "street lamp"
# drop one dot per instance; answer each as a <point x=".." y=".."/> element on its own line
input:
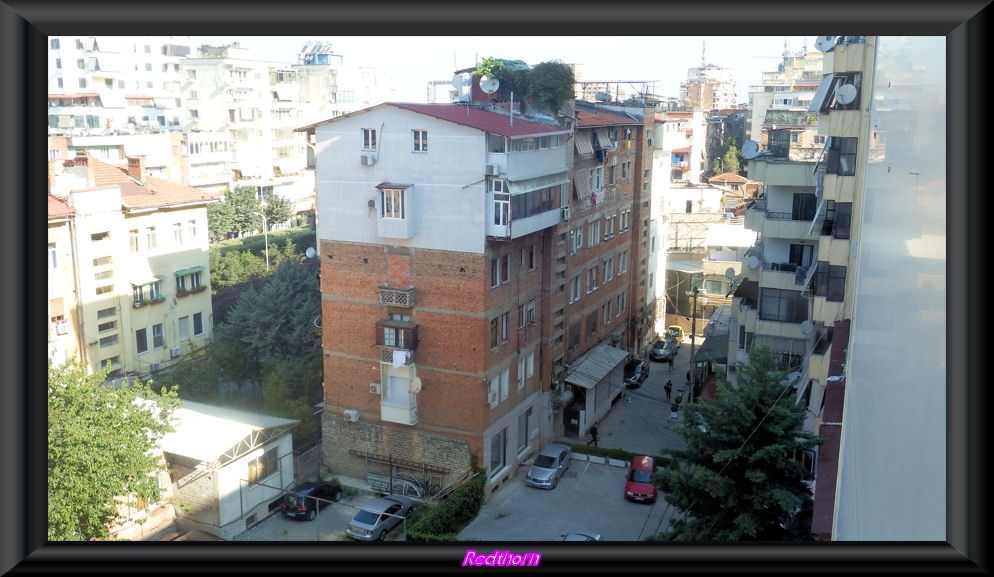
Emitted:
<point x="265" y="234"/>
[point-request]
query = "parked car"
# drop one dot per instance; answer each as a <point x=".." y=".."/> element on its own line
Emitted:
<point x="676" y="333"/>
<point x="306" y="500"/>
<point x="378" y="517"/>
<point x="662" y="350"/>
<point x="636" y="371"/>
<point x="548" y="466"/>
<point x="638" y="483"/>
<point x="581" y="535"/>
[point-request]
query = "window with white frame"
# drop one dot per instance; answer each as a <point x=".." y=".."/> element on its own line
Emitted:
<point x="592" y="274"/>
<point x="158" y="337"/>
<point x="626" y="220"/>
<point x="530" y="312"/>
<point x="609" y="177"/>
<point x="528" y="258"/>
<point x="191" y="231"/>
<point x="505" y="383"/>
<point x="576" y="239"/>
<point x="574" y="289"/>
<point x="500" y="270"/>
<point x="626" y="170"/>
<point x="594" y="233"/>
<point x="178" y="233"/>
<point x="420" y="140"/>
<point x="198" y="324"/>
<point x="623" y="262"/>
<point x="369" y="139"/>
<point x="596" y="179"/>
<point x="608" y="269"/>
<point x="397" y="391"/>
<point x="606" y="310"/>
<point x="392" y="203"/>
<point x="521" y="371"/>
<point x="150" y="243"/>
<point x="184" y="328"/>
<point x="609" y="222"/>
<point x="498" y="329"/>
<point x="264" y="466"/>
<point x="622" y="298"/>
<point x="493" y="390"/>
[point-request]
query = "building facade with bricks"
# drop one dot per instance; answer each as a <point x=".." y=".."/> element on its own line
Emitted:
<point x="444" y="234"/>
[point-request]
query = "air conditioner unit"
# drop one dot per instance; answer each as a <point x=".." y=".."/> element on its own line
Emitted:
<point x="565" y="213"/>
<point x="493" y="169"/>
<point x="367" y="160"/>
<point x="174" y="352"/>
<point x="155" y="367"/>
<point x="61" y="328"/>
<point x="374" y="388"/>
<point x="351" y="415"/>
<point x="492" y="398"/>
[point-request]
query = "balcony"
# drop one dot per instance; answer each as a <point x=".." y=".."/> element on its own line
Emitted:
<point x="396" y="357"/>
<point x="397" y="297"/>
<point x="150" y="301"/>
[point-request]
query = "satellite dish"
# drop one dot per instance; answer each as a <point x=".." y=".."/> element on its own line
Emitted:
<point x="489" y="84"/>
<point x="730" y="273"/>
<point x="750" y="149"/>
<point x="752" y="261"/>
<point x="825" y="43"/>
<point x="846" y="93"/>
<point x="807" y="327"/>
<point x="310" y="252"/>
<point x="416" y="385"/>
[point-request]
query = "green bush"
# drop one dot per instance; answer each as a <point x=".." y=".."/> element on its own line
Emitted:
<point x="444" y="520"/>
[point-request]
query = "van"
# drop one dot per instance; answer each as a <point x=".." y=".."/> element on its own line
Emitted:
<point x="638" y="484"/>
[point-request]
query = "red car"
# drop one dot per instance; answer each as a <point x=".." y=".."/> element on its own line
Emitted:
<point x="638" y="484"/>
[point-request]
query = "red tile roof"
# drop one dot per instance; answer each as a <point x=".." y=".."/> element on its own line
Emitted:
<point x="727" y="177"/>
<point x="481" y="119"/>
<point x="58" y="208"/>
<point x="588" y="119"/>
<point x="153" y="193"/>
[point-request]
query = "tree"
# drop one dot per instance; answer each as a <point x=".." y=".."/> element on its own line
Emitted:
<point x="277" y="209"/>
<point x="220" y="220"/>
<point x="736" y="479"/>
<point x="244" y="206"/>
<point x="102" y="442"/>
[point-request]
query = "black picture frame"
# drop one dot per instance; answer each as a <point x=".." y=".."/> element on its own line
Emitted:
<point x="23" y="27"/>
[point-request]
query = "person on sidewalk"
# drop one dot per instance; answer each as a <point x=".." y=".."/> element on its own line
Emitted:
<point x="668" y="387"/>
<point x="593" y="434"/>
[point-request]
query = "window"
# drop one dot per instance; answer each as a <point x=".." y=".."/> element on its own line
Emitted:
<point x="141" y="340"/>
<point x="622" y="298"/>
<point x="55" y="43"/>
<point x="609" y="177"/>
<point x="133" y="240"/>
<point x="521" y="316"/>
<point x="498" y="329"/>
<point x="191" y="231"/>
<point x="830" y="282"/>
<point x="198" y="324"/>
<point x="841" y="156"/>
<point x="106" y="313"/>
<point x="505" y="384"/>
<point x="626" y="170"/>
<point x="609" y="270"/>
<point x="594" y="233"/>
<point x="178" y="233"/>
<point x="530" y="312"/>
<point x="397" y="391"/>
<point x="500" y="270"/>
<point x="795" y="137"/>
<point x="574" y="289"/>
<point x="623" y="262"/>
<point x="108" y="341"/>
<point x="592" y="324"/>
<point x="782" y="305"/>
<point x="184" y="328"/>
<point x="502" y="208"/>
<point x="596" y="178"/>
<point x="146" y="292"/>
<point x="102" y="327"/>
<point x="689" y="207"/>
<point x="99" y="236"/>
<point x="804" y="206"/>
<point x="157" y="336"/>
<point x="577" y="239"/>
<point x="150" y="237"/>
<point x="606" y="309"/>
<point x="369" y="139"/>
<point x="843" y="217"/>
<point x="592" y="274"/>
<point x="521" y="372"/>
<point x="528" y="257"/>
<point x="523" y="426"/>
<point x="262" y="467"/>
<point x="420" y="140"/>
<point x="104" y="289"/>
<point x="392" y="203"/>
<point x="497" y="444"/>
<point x="53" y="260"/>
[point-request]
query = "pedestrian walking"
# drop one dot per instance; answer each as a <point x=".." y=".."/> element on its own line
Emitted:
<point x="593" y="434"/>
<point x="670" y="361"/>
<point x="668" y="387"/>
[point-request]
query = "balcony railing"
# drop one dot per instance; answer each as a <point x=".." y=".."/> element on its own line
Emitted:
<point x="396" y="357"/>
<point x="397" y="297"/>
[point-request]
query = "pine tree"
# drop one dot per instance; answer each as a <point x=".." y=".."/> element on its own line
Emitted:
<point x="737" y="479"/>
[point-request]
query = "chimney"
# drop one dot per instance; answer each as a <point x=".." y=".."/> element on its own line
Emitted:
<point x="136" y="168"/>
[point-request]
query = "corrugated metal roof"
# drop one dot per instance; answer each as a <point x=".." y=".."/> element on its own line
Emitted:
<point x="204" y="432"/>
<point x="690" y="266"/>
<point x="594" y="365"/>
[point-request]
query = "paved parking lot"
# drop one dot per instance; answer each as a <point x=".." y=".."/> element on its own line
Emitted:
<point x="329" y="525"/>
<point x="589" y="496"/>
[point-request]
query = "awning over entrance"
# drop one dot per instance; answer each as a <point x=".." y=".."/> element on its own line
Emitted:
<point x="715" y="349"/>
<point x="594" y="365"/>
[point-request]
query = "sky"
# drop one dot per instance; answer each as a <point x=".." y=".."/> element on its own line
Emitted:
<point x="412" y="62"/>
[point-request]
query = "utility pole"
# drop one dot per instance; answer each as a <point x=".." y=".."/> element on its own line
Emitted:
<point x="265" y="234"/>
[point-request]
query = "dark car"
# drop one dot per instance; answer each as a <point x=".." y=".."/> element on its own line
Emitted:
<point x="662" y="350"/>
<point x="307" y="499"/>
<point x="378" y="517"/>
<point x="636" y="371"/>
